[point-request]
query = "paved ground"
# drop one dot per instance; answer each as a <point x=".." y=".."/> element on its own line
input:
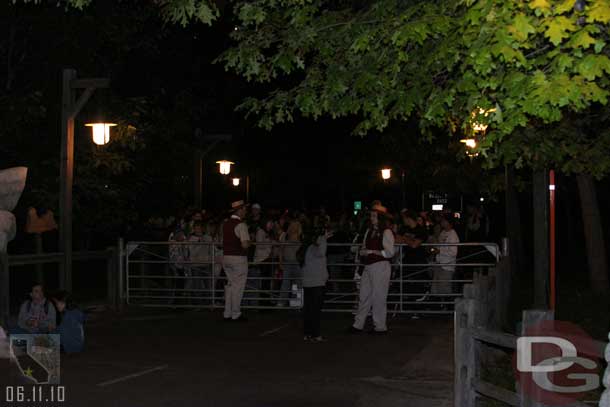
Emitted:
<point x="194" y="359"/>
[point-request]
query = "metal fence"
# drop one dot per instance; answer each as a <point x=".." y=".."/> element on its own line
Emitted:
<point x="166" y="274"/>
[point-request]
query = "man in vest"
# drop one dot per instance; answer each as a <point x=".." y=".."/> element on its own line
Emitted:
<point x="376" y="253"/>
<point x="236" y="241"/>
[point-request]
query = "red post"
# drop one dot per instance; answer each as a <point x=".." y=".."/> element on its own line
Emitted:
<point x="552" y="235"/>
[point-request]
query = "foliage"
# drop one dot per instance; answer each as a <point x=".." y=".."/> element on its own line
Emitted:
<point x="536" y="62"/>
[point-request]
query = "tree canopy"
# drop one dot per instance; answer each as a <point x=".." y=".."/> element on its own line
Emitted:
<point x="538" y="63"/>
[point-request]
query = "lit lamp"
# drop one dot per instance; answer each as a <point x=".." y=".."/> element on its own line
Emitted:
<point x="100" y="132"/>
<point x="386" y="173"/>
<point x="470" y="142"/>
<point x="235" y="182"/>
<point x="225" y="166"/>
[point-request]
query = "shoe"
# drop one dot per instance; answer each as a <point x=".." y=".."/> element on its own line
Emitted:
<point x="307" y="338"/>
<point x="240" y="319"/>
<point x="374" y="332"/>
<point x="318" y="339"/>
<point x="353" y="330"/>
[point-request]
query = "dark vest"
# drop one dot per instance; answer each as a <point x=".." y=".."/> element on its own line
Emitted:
<point x="231" y="243"/>
<point x="374" y="243"/>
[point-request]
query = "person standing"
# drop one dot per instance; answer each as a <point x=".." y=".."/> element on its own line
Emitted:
<point x="292" y="273"/>
<point x="446" y="257"/>
<point x="377" y="251"/>
<point x="236" y="241"/>
<point x="315" y="276"/>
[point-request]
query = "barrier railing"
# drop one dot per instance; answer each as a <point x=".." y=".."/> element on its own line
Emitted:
<point x="478" y="341"/>
<point x="166" y="274"/>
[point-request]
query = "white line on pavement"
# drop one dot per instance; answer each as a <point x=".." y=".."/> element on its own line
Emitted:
<point x="272" y="331"/>
<point x="131" y="376"/>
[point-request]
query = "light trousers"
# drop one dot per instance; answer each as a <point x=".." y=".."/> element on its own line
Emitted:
<point x="236" y="269"/>
<point x="374" y="286"/>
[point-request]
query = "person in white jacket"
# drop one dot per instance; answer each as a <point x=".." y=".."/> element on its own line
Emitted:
<point x="446" y="258"/>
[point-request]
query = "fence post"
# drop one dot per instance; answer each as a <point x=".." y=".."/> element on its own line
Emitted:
<point x="120" y="277"/>
<point x="530" y="318"/>
<point x="502" y="295"/>
<point x="4" y="289"/>
<point x="464" y="349"/>
<point x="605" y="399"/>
<point x="111" y="274"/>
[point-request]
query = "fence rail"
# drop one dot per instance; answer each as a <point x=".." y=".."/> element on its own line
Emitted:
<point x="10" y="264"/>
<point x="475" y="327"/>
<point x="157" y="275"/>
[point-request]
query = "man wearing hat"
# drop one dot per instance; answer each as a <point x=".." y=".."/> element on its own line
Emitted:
<point x="376" y="253"/>
<point x="236" y="241"/>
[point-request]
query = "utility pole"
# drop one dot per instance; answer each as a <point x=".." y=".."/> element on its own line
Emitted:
<point x="70" y="107"/>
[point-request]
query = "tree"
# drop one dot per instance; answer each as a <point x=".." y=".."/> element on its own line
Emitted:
<point x="388" y="60"/>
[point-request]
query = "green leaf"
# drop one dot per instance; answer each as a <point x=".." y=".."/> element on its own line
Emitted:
<point x="581" y="39"/>
<point x="599" y="11"/>
<point x="599" y="45"/>
<point x="558" y="29"/>
<point x="521" y="27"/>
<point x="540" y="6"/>
<point x="593" y="66"/>
<point x="566" y="6"/>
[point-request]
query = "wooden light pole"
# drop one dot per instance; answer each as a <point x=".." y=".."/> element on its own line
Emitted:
<point x="70" y="107"/>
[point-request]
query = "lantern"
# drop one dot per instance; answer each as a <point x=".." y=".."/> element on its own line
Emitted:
<point x="100" y="132"/>
<point x="470" y="142"/>
<point x="225" y="166"/>
<point x="386" y="173"/>
<point x="235" y="182"/>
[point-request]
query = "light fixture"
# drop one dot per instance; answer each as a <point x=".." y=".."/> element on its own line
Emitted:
<point x="100" y="132"/>
<point x="225" y="166"/>
<point x="470" y="142"/>
<point x="235" y="182"/>
<point x="386" y="173"/>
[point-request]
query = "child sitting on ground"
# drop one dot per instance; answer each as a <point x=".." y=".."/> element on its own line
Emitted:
<point x="69" y="323"/>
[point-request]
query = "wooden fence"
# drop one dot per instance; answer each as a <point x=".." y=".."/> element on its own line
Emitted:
<point x="478" y="337"/>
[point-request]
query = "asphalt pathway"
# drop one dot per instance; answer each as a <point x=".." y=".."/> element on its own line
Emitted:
<point x="188" y="359"/>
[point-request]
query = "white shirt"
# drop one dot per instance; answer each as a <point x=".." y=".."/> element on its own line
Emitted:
<point x="241" y="230"/>
<point x="263" y="248"/>
<point x="447" y="254"/>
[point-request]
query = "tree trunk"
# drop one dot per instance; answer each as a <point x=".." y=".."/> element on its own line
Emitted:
<point x="513" y="223"/>
<point x="594" y="234"/>
<point x="541" y="239"/>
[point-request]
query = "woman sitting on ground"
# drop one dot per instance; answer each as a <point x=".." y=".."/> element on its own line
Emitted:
<point x="69" y="323"/>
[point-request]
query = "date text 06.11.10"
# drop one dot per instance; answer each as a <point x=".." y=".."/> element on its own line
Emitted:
<point x="18" y="396"/>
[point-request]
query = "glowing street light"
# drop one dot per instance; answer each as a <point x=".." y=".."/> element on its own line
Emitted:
<point x="386" y="173"/>
<point x="100" y="132"/>
<point x="470" y="142"/>
<point x="235" y="182"/>
<point x="225" y="166"/>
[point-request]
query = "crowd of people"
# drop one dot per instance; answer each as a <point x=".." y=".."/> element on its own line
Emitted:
<point x="287" y="252"/>
<point x="283" y="253"/>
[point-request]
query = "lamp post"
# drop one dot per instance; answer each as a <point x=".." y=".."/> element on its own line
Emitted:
<point x="199" y="155"/>
<point x="70" y="107"/>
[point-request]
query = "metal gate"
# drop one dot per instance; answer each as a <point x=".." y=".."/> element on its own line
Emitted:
<point x="164" y="274"/>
